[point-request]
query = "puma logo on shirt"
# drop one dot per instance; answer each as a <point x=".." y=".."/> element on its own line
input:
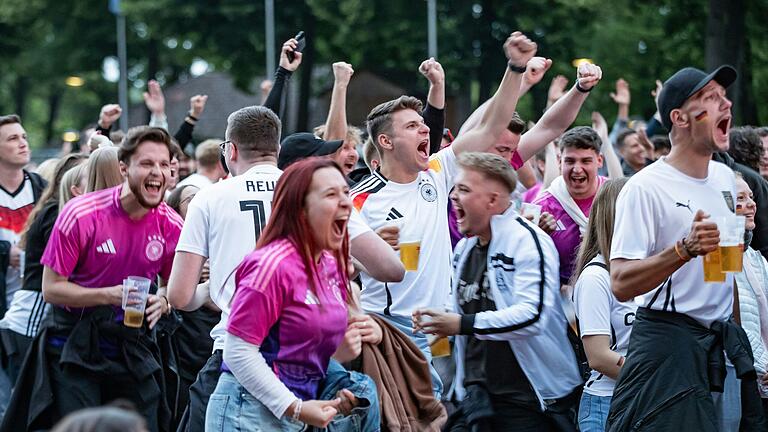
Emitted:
<point x="687" y="205"/>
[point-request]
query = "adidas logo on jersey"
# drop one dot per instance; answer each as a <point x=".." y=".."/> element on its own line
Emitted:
<point x="394" y="214"/>
<point x="107" y="247"/>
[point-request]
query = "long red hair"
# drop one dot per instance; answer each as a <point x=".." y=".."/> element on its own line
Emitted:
<point x="289" y="219"/>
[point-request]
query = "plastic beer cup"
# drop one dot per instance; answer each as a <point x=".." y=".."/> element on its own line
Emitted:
<point x="135" y="292"/>
<point x="533" y="210"/>
<point x="438" y="346"/>
<point x="731" y="243"/>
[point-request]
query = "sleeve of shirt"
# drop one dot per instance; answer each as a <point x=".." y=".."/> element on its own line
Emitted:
<point x="443" y="165"/>
<point x="63" y="250"/>
<point x="172" y="232"/>
<point x="356" y="226"/>
<point x="194" y="234"/>
<point x="634" y="208"/>
<point x="258" y="300"/>
<point x="593" y="304"/>
<point x="523" y="317"/>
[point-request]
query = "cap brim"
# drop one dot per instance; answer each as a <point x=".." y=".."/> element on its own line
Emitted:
<point x="724" y="75"/>
<point x="328" y="147"/>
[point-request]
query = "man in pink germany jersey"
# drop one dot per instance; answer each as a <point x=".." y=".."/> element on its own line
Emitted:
<point x="100" y="239"/>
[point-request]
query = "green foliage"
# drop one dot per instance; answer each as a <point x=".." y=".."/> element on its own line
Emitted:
<point x="44" y="41"/>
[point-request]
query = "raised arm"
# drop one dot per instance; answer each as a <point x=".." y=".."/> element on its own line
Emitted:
<point x="534" y="72"/>
<point x="283" y="74"/>
<point x="609" y="153"/>
<point x="196" y="107"/>
<point x="562" y="114"/>
<point x="155" y="103"/>
<point x="519" y="49"/>
<point x="434" y="111"/>
<point x="336" y="124"/>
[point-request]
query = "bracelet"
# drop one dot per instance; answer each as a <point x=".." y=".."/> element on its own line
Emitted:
<point x="685" y="248"/>
<point x="515" y="68"/>
<point x="582" y="89"/>
<point x="677" y="251"/>
<point x="191" y="116"/>
<point x="167" y="303"/>
<point x="620" y="362"/>
<point x="297" y="410"/>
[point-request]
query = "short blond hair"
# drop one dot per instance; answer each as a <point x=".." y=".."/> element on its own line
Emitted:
<point x="491" y="166"/>
<point x="207" y="153"/>
<point x="354" y="134"/>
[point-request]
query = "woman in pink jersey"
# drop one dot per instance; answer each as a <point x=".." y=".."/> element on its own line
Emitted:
<point x="289" y="312"/>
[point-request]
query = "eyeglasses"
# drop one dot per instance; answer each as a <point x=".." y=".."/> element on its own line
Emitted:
<point x="223" y="145"/>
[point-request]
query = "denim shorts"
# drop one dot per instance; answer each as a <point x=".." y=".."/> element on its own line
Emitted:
<point x="232" y="408"/>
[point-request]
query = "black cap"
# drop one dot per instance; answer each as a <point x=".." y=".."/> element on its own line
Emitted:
<point x="303" y="145"/>
<point x="685" y="83"/>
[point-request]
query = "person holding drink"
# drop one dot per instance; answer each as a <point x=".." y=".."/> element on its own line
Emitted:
<point x="98" y="241"/>
<point x="666" y="219"/>
<point x="515" y="369"/>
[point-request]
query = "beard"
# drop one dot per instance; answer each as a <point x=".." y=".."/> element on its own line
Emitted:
<point x="136" y="191"/>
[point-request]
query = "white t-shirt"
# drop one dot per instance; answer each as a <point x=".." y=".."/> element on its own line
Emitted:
<point x="600" y="313"/>
<point x="654" y="210"/>
<point x="223" y="223"/>
<point x="198" y="180"/>
<point x="420" y="209"/>
<point x="15" y="207"/>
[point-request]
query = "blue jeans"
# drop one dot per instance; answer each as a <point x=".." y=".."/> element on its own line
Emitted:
<point x="404" y="325"/>
<point x="593" y="412"/>
<point x="366" y="416"/>
<point x="232" y="408"/>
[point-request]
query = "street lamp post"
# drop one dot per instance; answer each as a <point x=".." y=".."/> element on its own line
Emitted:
<point x="432" y="27"/>
<point x="269" y="24"/>
<point x="114" y="7"/>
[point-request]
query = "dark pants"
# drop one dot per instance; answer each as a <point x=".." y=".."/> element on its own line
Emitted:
<point x="193" y="419"/>
<point x="510" y="416"/>
<point x="15" y="347"/>
<point x="75" y="388"/>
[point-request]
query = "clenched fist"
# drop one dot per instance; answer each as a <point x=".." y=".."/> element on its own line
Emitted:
<point x="342" y="72"/>
<point x="588" y="75"/>
<point x="432" y="70"/>
<point x="519" y="49"/>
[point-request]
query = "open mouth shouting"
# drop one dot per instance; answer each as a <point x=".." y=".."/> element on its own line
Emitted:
<point x="423" y="149"/>
<point x="578" y="180"/>
<point x="721" y="129"/>
<point x="154" y="187"/>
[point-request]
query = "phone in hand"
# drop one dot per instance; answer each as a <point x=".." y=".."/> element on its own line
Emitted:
<point x="302" y="43"/>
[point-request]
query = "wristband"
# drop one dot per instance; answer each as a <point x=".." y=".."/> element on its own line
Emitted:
<point x="297" y="411"/>
<point x="620" y="362"/>
<point x="191" y="116"/>
<point x="515" y="68"/>
<point x="677" y="251"/>
<point x="167" y="303"/>
<point x="582" y="89"/>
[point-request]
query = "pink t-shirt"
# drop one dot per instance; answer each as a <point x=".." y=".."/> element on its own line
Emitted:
<point x="567" y="237"/>
<point x="95" y="244"/>
<point x="530" y="195"/>
<point x="274" y="308"/>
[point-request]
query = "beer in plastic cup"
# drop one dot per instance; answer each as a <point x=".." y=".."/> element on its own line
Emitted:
<point x="534" y="210"/>
<point x="712" y="267"/>
<point x="135" y="292"/>
<point x="438" y="346"/>
<point x="731" y="243"/>
<point x="409" y="255"/>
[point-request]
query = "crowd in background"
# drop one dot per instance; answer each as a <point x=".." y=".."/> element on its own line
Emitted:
<point x="395" y="275"/>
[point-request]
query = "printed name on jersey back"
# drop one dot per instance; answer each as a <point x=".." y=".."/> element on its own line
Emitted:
<point x="260" y="186"/>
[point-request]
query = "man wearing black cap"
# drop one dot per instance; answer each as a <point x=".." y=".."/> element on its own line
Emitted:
<point x="303" y="145"/>
<point x="682" y="326"/>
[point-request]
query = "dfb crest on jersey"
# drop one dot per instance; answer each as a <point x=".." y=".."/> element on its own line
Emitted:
<point x="428" y="192"/>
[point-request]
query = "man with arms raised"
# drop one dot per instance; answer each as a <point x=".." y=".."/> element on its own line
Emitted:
<point x="402" y="139"/>
<point x="663" y="230"/>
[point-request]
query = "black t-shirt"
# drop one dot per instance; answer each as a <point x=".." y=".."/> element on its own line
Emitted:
<point x="491" y="364"/>
<point x="37" y="238"/>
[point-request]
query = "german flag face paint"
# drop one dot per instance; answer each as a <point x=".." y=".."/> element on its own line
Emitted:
<point x="701" y="116"/>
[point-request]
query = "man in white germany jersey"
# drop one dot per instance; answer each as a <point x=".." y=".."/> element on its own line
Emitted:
<point x="411" y="190"/>
<point x="662" y="232"/>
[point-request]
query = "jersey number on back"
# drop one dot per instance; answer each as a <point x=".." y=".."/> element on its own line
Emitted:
<point x="259" y="215"/>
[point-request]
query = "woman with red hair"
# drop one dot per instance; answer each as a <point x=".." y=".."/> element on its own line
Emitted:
<point x="289" y="311"/>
